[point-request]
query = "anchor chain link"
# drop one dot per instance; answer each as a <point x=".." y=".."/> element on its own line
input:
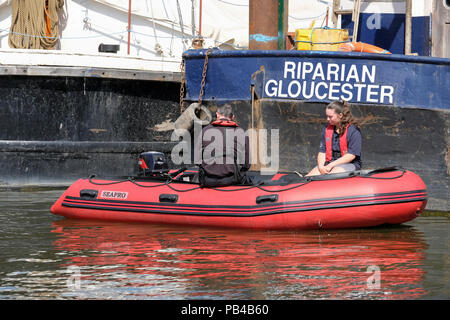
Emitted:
<point x="202" y="85"/>
<point x="182" y="86"/>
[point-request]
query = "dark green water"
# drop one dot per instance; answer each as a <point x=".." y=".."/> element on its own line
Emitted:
<point x="47" y="257"/>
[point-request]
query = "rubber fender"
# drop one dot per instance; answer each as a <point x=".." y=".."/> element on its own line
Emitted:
<point x="187" y="118"/>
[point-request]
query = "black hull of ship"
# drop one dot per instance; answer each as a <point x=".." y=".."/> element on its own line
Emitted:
<point x="56" y="129"/>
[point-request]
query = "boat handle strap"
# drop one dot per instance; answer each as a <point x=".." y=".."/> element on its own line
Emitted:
<point x="172" y="198"/>
<point x="88" y="193"/>
<point x="268" y="198"/>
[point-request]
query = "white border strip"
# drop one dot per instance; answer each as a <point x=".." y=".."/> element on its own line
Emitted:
<point x="419" y="7"/>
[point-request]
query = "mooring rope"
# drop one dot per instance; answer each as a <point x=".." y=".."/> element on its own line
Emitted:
<point x="38" y="18"/>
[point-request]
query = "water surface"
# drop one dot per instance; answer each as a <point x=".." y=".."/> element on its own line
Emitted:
<point x="48" y="257"/>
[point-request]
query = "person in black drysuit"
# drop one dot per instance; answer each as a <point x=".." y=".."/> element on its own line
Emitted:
<point x="225" y="151"/>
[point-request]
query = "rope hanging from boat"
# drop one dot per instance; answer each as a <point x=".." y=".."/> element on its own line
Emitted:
<point x="34" y="24"/>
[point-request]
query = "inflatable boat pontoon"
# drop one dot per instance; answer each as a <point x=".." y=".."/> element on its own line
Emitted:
<point x="356" y="199"/>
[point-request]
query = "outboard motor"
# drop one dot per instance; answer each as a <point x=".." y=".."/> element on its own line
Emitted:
<point x="152" y="163"/>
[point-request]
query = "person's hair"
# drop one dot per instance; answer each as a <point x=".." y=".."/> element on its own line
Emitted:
<point x="344" y="108"/>
<point x="226" y="110"/>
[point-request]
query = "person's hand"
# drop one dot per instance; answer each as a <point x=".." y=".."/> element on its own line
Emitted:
<point x="322" y="169"/>
<point x="328" y="168"/>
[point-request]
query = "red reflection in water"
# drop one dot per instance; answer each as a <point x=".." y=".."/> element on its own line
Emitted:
<point x="376" y="263"/>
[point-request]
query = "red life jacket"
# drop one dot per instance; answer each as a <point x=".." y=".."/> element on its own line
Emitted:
<point x="329" y="139"/>
<point x="224" y="123"/>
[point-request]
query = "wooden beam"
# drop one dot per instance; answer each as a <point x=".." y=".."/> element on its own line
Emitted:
<point x="263" y="24"/>
<point x="343" y="11"/>
<point x="355" y="19"/>
<point x="335" y="13"/>
<point x="408" y="26"/>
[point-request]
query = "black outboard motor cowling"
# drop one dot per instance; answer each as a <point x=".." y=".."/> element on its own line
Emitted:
<point x="152" y="163"/>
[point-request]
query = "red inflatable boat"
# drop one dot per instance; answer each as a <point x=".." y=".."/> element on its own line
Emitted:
<point x="283" y="201"/>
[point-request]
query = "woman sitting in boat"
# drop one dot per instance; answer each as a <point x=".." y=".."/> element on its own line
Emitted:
<point x="225" y="151"/>
<point x="340" y="146"/>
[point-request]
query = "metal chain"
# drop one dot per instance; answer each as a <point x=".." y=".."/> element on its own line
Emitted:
<point x="182" y="86"/>
<point x="202" y="85"/>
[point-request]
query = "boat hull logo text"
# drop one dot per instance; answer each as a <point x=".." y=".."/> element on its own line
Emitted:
<point x="113" y="195"/>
